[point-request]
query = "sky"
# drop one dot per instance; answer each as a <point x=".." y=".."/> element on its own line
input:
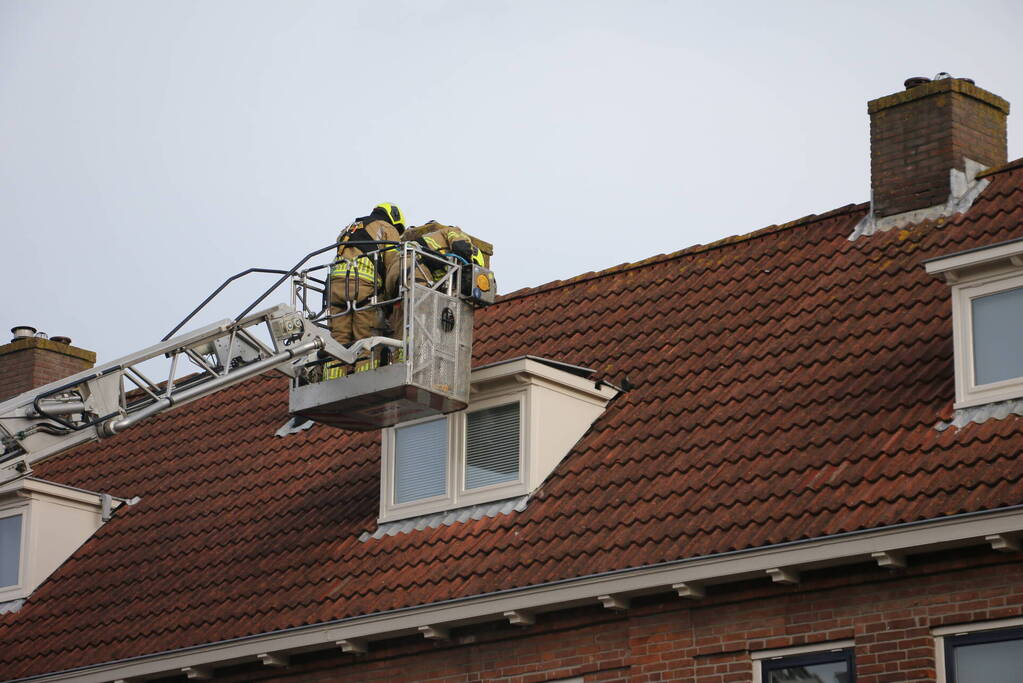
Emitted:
<point x="151" y="149"/>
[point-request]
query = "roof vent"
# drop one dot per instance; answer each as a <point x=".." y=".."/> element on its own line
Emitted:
<point x="22" y="332"/>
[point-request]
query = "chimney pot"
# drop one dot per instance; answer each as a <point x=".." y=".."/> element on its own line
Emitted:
<point x="914" y="81"/>
<point x="41" y="335"/>
<point x="22" y="331"/>
<point x="62" y="340"/>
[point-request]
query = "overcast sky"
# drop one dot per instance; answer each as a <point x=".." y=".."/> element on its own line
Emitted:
<point x="150" y="149"/>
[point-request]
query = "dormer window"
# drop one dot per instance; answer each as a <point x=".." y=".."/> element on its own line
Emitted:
<point x="987" y="316"/>
<point x="523" y="418"/>
<point x="41" y="524"/>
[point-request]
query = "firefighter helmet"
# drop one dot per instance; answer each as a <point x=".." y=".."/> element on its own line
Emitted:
<point x="393" y="214"/>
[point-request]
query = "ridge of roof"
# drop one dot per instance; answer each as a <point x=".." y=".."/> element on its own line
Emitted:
<point x="687" y="251"/>
<point x="1007" y="166"/>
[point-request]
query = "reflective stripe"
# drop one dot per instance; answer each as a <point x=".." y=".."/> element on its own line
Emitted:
<point x="363" y="268"/>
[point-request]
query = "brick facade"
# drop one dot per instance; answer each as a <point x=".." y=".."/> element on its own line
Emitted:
<point x="889" y="614"/>
<point x="32" y="362"/>
<point x="918" y="135"/>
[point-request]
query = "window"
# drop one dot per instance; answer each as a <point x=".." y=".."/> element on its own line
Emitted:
<point x="987" y="318"/>
<point x="420" y="461"/>
<point x="441" y="463"/>
<point x="997" y="333"/>
<point x="825" y="667"/>
<point x="492" y="446"/>
<point x="10" y="551"/>
<point x="984" y="657"/>
<point x="524" y="417"/>
<point x="822" y="663"/>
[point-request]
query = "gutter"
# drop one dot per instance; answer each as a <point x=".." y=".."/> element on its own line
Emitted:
<point x="782" y="562"/>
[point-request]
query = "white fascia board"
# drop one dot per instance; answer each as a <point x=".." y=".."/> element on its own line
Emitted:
<point x="982" y="256"/>
<point x="853" y="547"/>
<point x="49" y="488"/>
<point x="527" y="367"/>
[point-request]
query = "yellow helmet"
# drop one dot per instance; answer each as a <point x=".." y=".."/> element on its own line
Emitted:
<point x="393" y="214"/>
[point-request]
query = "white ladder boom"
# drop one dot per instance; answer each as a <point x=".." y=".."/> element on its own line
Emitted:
<point x="109" y="398"/>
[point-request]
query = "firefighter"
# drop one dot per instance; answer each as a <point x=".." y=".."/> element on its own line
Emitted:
<point x="357" y="274"/>
<point x="443" y="239"/>
<point x="434" y="237"/>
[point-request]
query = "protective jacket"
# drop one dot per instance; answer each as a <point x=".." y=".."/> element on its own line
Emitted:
<point x="378" y="269"/>
<point x="443" y="239"/>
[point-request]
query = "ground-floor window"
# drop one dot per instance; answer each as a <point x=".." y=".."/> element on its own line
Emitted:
<point x="815" y="667"/>
<point x="985" y="657"/>
<point x="831" y="662"/>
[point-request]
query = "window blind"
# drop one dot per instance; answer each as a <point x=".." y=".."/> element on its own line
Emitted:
<point x="10" y="550"/>
<point x="492" y="446"/>
<point x="420" y="461"/>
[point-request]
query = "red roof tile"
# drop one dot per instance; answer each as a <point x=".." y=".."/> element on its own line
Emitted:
<point x="787" y="386"/>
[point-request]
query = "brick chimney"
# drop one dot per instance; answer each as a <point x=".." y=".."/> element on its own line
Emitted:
<point x="32" y="360"/>
<point x="920" y="135"/>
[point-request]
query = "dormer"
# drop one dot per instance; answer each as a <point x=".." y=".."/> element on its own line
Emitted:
<point x="41" y="524"/>
<point x="987" y="321"/>
<point x="524" y="416"/>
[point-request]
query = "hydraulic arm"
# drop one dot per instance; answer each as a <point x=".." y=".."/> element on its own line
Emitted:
<point x="110" y="398"/>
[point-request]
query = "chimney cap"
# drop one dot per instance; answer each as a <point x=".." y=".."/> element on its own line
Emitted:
<point x="914" y="81"/>
<point x="22" y="332"/>
<point x="61" y="340"/>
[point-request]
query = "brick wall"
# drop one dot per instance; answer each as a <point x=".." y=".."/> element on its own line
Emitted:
<point x="918" y="135"/>
<point x="888" y="614"/>
<point x="33" y="362"/>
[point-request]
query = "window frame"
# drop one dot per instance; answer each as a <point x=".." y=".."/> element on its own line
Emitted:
<point x="447" y="472"/>
<point x="502" y="489"/>
<point x="457" y="494"/>
<point x="973" y="634"/>
<point x="968" y="392"/>
<point x="387" y="479"/>
<point x="765" y="661"/>
<point x="17" y="590"/>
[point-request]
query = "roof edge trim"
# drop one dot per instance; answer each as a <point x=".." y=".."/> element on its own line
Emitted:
<point x="972" y="528"/>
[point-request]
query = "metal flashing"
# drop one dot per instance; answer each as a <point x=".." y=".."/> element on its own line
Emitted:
<point x="982" y="413"/>
<point x="964" y="185"/>
<point x="448" y="517"/>
<point x="11" y="605"/>
<point x="294" y="425"/>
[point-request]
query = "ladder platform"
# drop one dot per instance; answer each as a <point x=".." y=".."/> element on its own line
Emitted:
<point x="368" y="400"/>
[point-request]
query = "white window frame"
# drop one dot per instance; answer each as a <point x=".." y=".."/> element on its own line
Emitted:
<point x="457" y="495"/>
<point x="571" y="402"/>
<point x="18" y="590"/>
<point x="968" y="392"/>
<point x="423" y="505"/>
<point x="942" y="632"/>
<point x="758" y="657"/>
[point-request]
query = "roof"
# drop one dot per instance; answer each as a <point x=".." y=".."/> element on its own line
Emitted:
<point x="787" y="385"/>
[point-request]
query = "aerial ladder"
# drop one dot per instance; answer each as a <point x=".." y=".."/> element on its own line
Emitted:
<point x="428" y="373"/>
